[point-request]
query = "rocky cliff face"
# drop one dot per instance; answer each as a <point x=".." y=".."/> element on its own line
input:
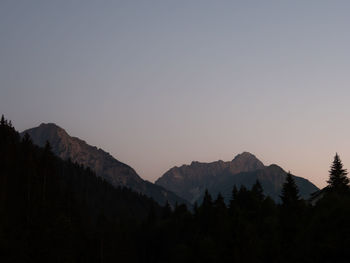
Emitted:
<point x="104" y="165"/>
<point x="190" y="181"/>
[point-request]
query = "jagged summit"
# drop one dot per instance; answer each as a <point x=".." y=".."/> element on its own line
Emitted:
<point x="244" y="156"/>
<point x="51" y="126"/>
<point x="190" y="181"/>
<point x="245" y="162"/>
<point x="48" y="132"/>
<point x="243" y="159"/>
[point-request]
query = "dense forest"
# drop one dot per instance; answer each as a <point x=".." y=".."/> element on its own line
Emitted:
<point x="58" y="211"/>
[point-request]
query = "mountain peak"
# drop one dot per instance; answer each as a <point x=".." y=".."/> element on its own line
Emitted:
<point x="244" y="155"/>
<point x="49" y="124"/>
<point x="245" y="162"/>
<point x="47" y="132"/>
<point x="191" y="181"/>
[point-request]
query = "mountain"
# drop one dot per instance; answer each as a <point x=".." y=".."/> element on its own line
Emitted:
<point x="101" y="162"/>
<point x="190" y="181"/>
<point x="56" y="210"/>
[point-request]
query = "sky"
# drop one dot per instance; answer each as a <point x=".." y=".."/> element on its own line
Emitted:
<point x="162" y="83"/>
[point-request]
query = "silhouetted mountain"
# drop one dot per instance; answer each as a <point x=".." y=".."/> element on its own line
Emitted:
<point x="101" y="162"/>
<point x="190" y="181"/>
<point x="56" y="210"/>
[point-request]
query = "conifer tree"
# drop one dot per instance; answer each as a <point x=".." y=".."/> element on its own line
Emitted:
<point x="207" y="200"/>
<point x="258" y="191"/>
<point x="220" y="203"/>
<point x="290" y="217"/>
<point x="219" y="199"/>
<point x="243" y="197"/>
<point x="290" y="192"/>
<point x="206" y="210"/>
<point x="2" y="122"/>
<point x="337" y="175"/>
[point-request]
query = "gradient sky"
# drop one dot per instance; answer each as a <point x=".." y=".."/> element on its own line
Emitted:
<point x="162" y="83"/>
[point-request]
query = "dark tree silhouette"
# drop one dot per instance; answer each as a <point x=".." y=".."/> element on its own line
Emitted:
<point x="232" y="205"/>
<point x="219" y="204"/>
<point x="258" y="191"/>
<point x="53" y="210"/>
<point x="290" y="192"/>
<point x="207" y="200"/>
<point x="45" y="214"/>
<point x="337" y="175"/>
<point x="2" y="122"/>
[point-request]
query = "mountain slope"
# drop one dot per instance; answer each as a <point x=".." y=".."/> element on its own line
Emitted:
<point x="101" y="162"/>
<point x="190" y="181"/>
<point x="57" y="211"/>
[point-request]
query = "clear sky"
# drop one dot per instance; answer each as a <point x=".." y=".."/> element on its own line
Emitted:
<point x="162" y="83"/>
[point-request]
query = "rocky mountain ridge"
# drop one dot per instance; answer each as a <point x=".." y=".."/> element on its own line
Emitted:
<point x="190" y="181"/>
<point x="101" y="162"/>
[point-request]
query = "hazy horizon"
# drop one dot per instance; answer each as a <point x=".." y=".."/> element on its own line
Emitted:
<point x="164" y="83"/>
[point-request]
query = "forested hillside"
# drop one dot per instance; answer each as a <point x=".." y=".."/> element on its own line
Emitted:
<point x="54" y="209"/>
<point x="57" y="211"/>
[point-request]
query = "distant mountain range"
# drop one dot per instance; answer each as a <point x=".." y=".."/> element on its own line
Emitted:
<point x="185" y="184"/>
<point x="101" y="162"/>
<point x="190" y="181"/>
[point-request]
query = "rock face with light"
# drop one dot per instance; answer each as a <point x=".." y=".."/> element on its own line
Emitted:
<point x="101" y="162"/>
<point x="190" y="181"/>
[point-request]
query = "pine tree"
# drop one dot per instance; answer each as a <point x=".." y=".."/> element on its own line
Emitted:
<point x="207" y="200"/>
<point x="243" y="197"/>
<point x="206" y="213"/>
<point x="291" y="215"/>
<point x="290" y="192"/>
<point x="2" y="122"/>
<point x="337" y="175"/>
<point x="258" y="191"/>
<point x="219" y="203"/>
<point x="219" y="199"/>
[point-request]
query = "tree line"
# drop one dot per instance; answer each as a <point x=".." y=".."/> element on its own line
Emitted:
<point x="58" y="211"/>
